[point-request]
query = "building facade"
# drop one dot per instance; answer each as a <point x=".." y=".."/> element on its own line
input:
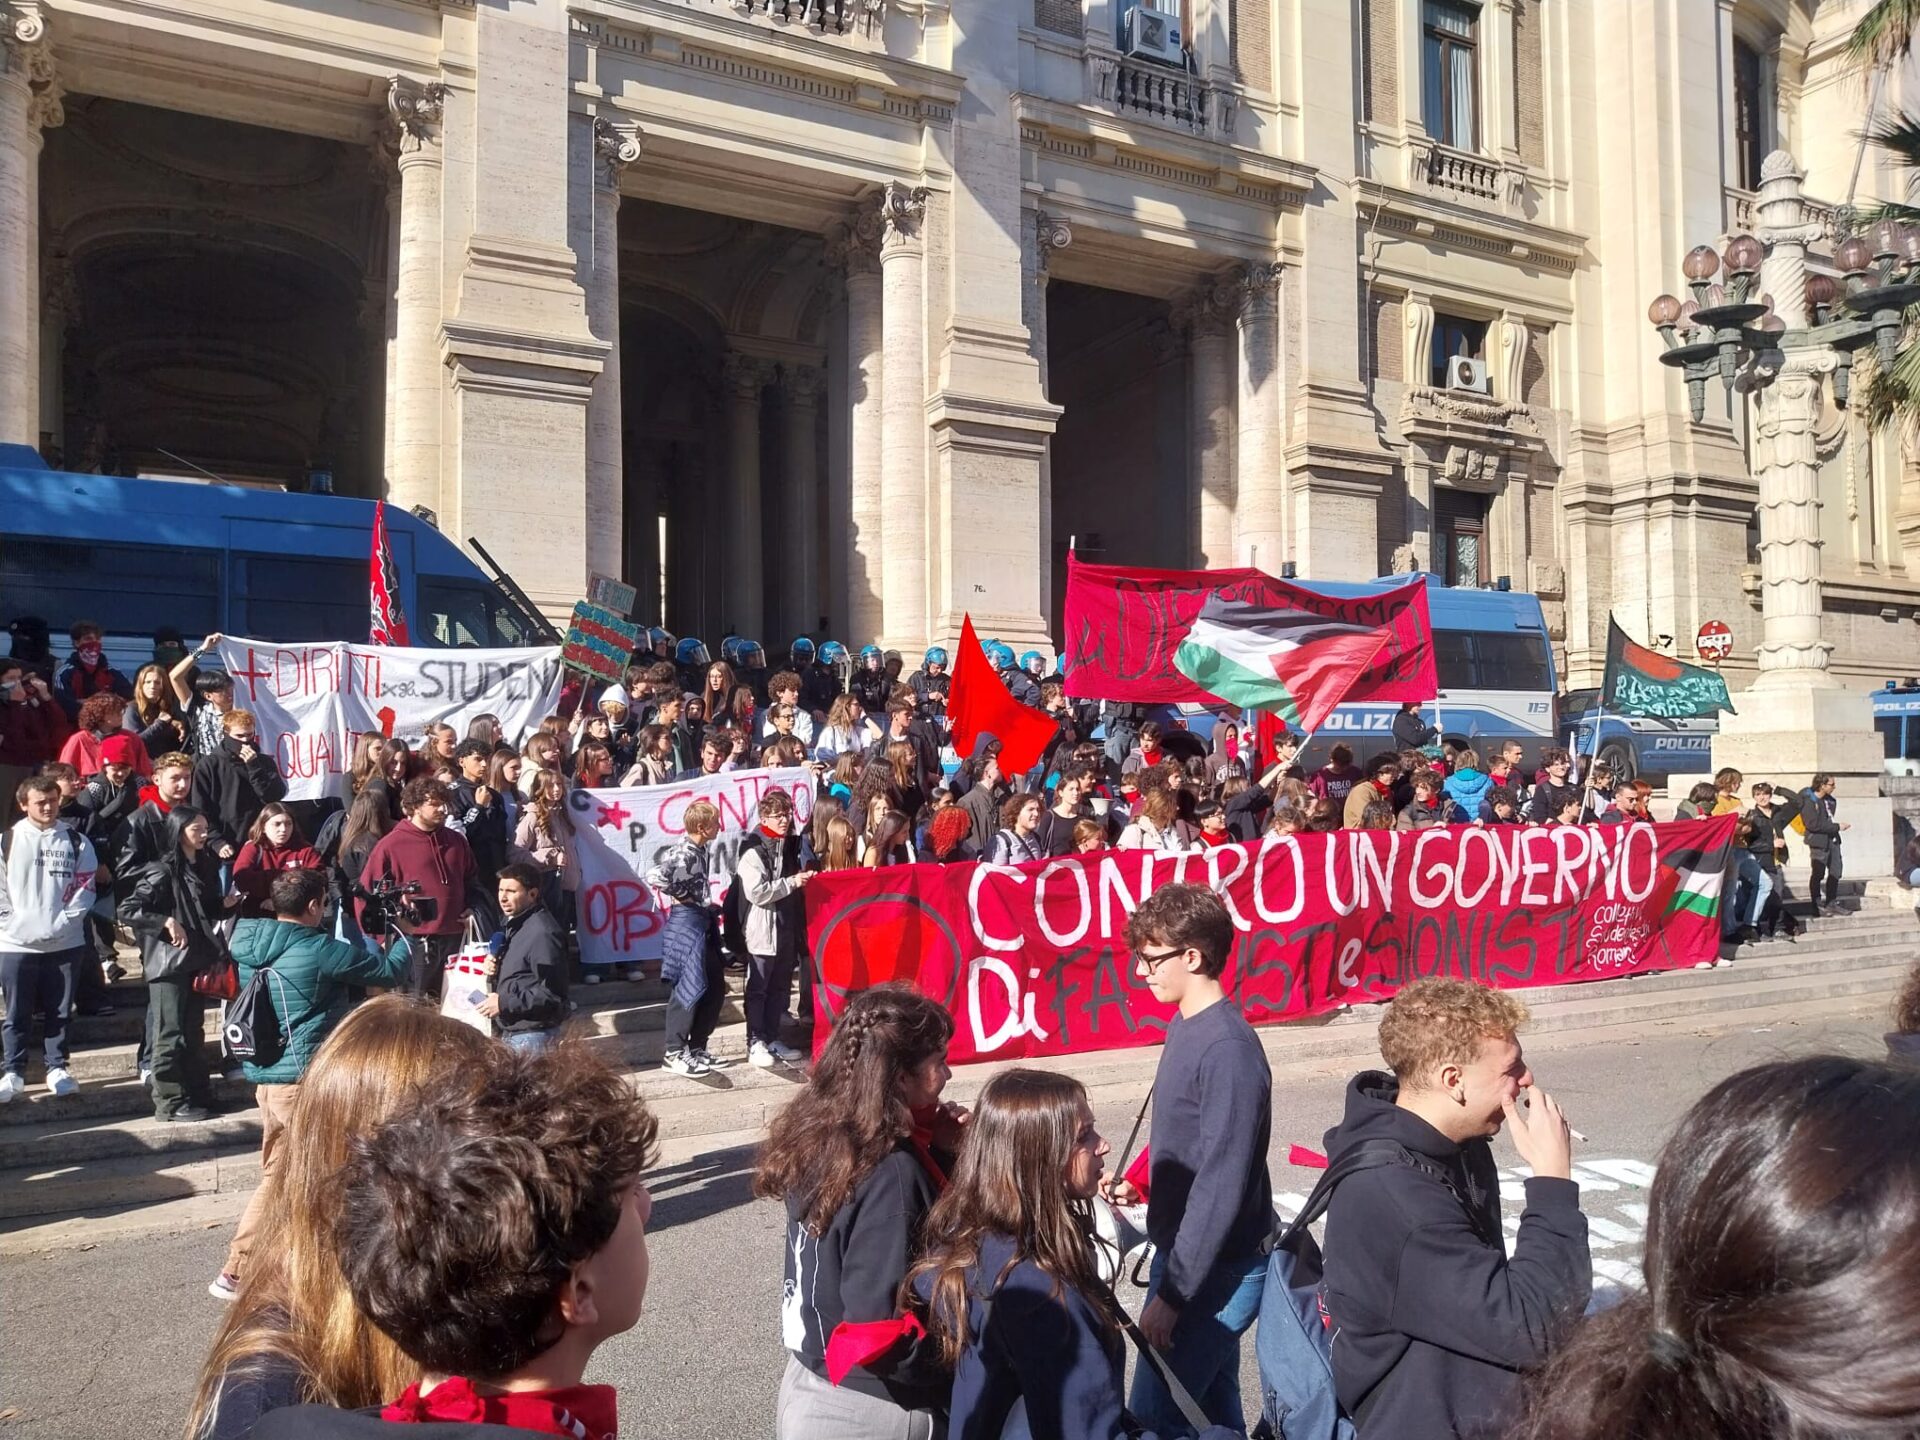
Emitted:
<point x="846" y="317"/>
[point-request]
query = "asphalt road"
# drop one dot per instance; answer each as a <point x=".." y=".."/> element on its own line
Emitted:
<point x="105" y="1343"/>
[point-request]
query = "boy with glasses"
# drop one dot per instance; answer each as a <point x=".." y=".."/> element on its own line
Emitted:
<point x="1209" y="1200"/>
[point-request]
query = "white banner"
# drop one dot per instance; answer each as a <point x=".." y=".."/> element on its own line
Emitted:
<point x="312" y="700"/>
<point x="620" y="831"/>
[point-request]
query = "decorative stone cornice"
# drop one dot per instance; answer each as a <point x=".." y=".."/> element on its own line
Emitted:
<point x="1258" y="287"/>
<point x="26" y="56"/>
<point x="744" y="376"/>
<point x="901" y="209"/>
<point x="616" y="145"/>
<point x="854" y="245"/>
<point x="415" y="110"/>
<point x="1050" y="233"/>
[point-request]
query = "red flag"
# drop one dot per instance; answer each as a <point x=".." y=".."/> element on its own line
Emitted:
<point x="980" y="704"/>
<point x="1125" y="625"/>
<point x="389" y="621"/>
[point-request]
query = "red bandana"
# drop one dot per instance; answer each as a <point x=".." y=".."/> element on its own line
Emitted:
<point x="921" y="1138"/>
<point x="580" y="1412"/>
<point x="772" y="834"/>
<point x="1223" y="838"/>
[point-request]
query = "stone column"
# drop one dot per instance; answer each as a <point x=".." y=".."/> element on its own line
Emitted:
<point x="1206" y="315"/>
<point x="744" y="594"/>
<point x="903" y="418"/>
<point x="29" y="101"/>
<point x="855" y="246"/>
<point x="59" y="309"/>
<point x="418" y="394"/>
<point x="616" y="145"/>
<point x="1261" y="514"/>
<point x="800" y="606"/>
<point x="1048" y="233"/>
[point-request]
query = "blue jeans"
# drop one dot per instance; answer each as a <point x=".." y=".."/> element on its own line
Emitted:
<point x="1752" y="886"/>
<point x="1206" y="1348"/>
<point x="534" y="1040"/>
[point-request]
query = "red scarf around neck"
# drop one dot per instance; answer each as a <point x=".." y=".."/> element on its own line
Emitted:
<point x="579" y="1412"/>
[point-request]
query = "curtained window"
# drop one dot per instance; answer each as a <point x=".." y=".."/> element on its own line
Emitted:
<point x="1749" y="133"/>
<point x="1449" y="90"/>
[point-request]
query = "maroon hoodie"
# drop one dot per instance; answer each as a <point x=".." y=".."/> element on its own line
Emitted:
<point x="438" y="860"/>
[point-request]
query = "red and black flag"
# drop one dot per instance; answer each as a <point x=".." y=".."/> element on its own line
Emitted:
<point x="388" y="624"/>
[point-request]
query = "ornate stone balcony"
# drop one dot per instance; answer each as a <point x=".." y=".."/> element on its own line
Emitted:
<point x="1740" y="217"/>
<point x="829" y="17"/>
<point x="1473" y="179"/>
<point x="1161" y="93"/>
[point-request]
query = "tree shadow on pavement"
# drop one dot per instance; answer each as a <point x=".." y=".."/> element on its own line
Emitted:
<point x="701" y="1186"/>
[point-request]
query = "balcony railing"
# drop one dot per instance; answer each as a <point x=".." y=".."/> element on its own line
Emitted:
<point x="1158" y="92"/>
<point x="1462" y="174"/>
<point x="1742" y="214"/>
<point x="835" y="17"/>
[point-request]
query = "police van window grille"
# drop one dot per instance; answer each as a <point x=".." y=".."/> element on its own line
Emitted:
<point x="127" y="589"/>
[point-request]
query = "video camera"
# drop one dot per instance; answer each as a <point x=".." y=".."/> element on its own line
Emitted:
<point x="391" y="905"/>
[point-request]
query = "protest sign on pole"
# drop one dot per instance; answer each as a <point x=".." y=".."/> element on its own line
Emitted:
<point x="611" y="594"/>
<point x="311" y="701"/>
<point x="1031" y="959"/>
<point x="599" y="643"/>
<point x="619" y="832"/>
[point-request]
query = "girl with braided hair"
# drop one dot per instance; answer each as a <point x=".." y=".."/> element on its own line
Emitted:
<point x="859" y="1157"/>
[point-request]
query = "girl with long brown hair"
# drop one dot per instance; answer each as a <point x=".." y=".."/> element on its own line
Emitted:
<point x="1010" y="1248"/>
<point x="293" y="1336"/>
<point x="858" y="1157"/>
<point x="154" y="712"/>
<point x="546" y="831"/>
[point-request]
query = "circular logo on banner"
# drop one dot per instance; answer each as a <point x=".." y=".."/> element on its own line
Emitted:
<point x="1715" y="641"/>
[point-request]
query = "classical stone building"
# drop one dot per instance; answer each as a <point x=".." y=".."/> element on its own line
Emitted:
<point x="844" y="316"/>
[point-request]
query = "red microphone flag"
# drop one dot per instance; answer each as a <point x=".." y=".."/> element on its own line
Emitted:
<point x="980" y="704"/>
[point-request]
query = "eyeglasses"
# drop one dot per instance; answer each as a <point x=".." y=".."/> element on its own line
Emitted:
<point x="1154" y="962"/>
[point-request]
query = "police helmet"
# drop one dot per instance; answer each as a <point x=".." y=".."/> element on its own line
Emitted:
<point x="1000" y="655"/>
<point x="934" y="656"/>
<point x="801" y="651"/>
<point x="730" y="649"/>
<point x="660" y="641"/>
<point x="833" y="653"/>
<point x="1034" y="663"/>
<point x="691" y="651"/>
<point x="750" y="655"/>
<point x="870" y="652"/>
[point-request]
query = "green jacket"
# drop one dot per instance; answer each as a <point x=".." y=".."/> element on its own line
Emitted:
<point x="312" y="973"/>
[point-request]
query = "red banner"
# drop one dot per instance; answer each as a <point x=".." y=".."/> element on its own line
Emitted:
<point x="1031" y="960"/>
<point x="1124" y="624"/>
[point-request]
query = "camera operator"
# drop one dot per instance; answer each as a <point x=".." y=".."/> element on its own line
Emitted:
<point x="421" y="855"/>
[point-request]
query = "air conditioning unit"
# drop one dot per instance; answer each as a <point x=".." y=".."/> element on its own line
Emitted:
<point x="1155" y="35"/>
<point x="1466" y="373"/>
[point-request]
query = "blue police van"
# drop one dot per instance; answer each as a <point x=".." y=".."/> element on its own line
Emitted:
<point x="1638" y="747"/>
<point x="136" y="555"/>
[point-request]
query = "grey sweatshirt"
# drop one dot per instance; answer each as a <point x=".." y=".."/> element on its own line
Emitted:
<point x="1209" y="1199"/>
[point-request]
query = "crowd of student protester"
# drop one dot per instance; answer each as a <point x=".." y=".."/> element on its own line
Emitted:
<point x="942" y="1274"/>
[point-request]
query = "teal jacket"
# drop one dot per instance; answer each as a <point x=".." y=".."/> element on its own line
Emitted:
<point x="313" y="972"/>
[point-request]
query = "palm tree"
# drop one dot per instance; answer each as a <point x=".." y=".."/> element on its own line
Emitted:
<point x="1884" y="33"/>
<point x="1891" y="395"/>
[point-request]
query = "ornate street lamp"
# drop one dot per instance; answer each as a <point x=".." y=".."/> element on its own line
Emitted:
<point x="1765" y="326"/>
<point x="1726" y="329"/>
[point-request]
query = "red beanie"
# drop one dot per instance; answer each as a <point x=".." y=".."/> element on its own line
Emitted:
<point x="120" y="748"/>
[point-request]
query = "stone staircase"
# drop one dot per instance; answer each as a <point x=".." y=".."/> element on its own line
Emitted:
<point x="100" y="1151"/>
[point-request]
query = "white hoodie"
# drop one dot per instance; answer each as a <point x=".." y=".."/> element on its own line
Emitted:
<point x="46" y="888"/>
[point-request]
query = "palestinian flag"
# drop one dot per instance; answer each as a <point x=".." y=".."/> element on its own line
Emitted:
<point x="1294" y="663"/>
<point x="1699" y="873"/>
<point x="1640" y="681"/>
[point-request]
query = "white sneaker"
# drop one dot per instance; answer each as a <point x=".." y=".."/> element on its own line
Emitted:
<point x="224" y="1286"/>
<point x="591" y="977"/>
<point x="786" y="1053"/>
<point x="146" y="1078"/>
<point x="12" y="1086"/>
<point x="684" y="1062"/>
<point x="59" y="1082"/>
<point x="711" y="1060"/>
<point x="760" y="1057"/>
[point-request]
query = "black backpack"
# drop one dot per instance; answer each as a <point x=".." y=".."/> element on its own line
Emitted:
<point x="254" y="1029"/>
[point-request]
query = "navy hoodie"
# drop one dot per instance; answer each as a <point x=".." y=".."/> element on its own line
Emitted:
<point x="1432" y="1321"/>
<point x="1040" y="1340"/>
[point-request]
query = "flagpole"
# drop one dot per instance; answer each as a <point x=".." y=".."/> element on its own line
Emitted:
<point x="1593" y="757"/>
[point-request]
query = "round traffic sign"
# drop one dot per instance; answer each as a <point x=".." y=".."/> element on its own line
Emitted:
<point x="1715" y="641"/>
